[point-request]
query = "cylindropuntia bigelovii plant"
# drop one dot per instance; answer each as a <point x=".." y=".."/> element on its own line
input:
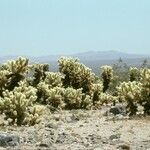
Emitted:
<point x="16" y="103"/>
<point x="107" y="75"/>
<point x="17" y="68"/>
<point x="39" y="73"/>
<point x="130" y="92"/>
<point x="51" y="81"/>
<point x="145" y="90"/>
<point x="134" y="74"/>
<point x="76" y="74"/>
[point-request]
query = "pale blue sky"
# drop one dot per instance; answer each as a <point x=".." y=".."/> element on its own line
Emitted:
<point x="43" y="27"/>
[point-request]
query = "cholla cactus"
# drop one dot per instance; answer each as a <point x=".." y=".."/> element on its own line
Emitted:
<point x="52" y="80"/>
<point x="3" y="80"/>
<point x="73" y="98"/>
<point x="39" y="73"/>
<point x="130" y="92"/>
<point x="55" y="97"/>
<point x="107" y="75"/>
<point x="19" y="66"/>
<point x="134" y="74"/>
<point x="105" y="98"/>
<point x="34" y="115"/>
<point x="96" y="90"/>
<point x="145" y="91"/>
<point x="16" y="103"/>
<point x="76" y="74"/>
<point x="17" y="69"/>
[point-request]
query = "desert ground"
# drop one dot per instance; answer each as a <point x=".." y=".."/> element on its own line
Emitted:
<point x="79" y="130"/>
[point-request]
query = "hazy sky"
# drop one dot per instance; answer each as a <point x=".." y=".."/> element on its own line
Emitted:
<point x="41" y="27"/>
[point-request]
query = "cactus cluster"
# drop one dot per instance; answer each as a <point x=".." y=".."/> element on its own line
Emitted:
<point x="137" y="92"/>
<point x="134" y="74"/>
<point x="130" y="92"/>
<point x="16" y="103"/>
<point x="39" y="73"/>
<point x="145" y="91"/>
<point x="46" y="86"/>
<point x="107" y="76"/>
<point x="27" y="90"/>
<point x="77" y="75"/>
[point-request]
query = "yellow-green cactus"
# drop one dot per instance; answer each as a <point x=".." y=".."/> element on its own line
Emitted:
<point x="52" y="80"/>
<point x="34" y="115"/>
<point x="77" y="75"/>
<point x="55" y="97"/>
<point x="73" y="98"/>
<point x="17" y="68"/>
<point x="107" y="76"/>
<point x="130" y="92"/>
<point x="39" y="73"/>
<point x="16" y="103"/>
<point x="106" y="98"/>
<point x="145" y="91"/>
<point x="134" y="74"/>
<point x="96" y="90"/>
<point x="3" y="80"/>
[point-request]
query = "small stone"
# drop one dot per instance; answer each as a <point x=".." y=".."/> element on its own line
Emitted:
<point x="9" y="140"/>
<point x="43" y="145"/>
<point x="118" y="109"/>
<point x="123" y="147"/>
<point x="115" y="136"/>
<point x="68" y="119"/>
<point x="98" y="148"/>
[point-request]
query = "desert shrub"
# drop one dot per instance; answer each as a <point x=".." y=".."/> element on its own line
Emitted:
<point x="3" y="80"/>
<point x="107" y="75"/>
<point x="130" y="92"/>
<point x="17" y="70"/>
<point x="104" y="99"/>
<point x="55" y="98"/>
<point x="34" y="114"/>
<point x="120" y="74"/>
<point x="39" y="73"/>
<point x="145" y="90"/>
<point x="16" y="103"/>
<point x="134" y="74"/>
<point x="76" y="74"/>
<point x="96" y="90"/>
<point x="75" y="99"/>
<point x="52" y="80"/>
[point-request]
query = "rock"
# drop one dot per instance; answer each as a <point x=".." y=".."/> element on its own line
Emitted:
<point x="114" y="136"/>
<point x="98" y="148"/>
<point x="118" y="109"/>
<point x="68" y="119"/>
<point x="123" y="147"/>
<point x="51" y="125"/>
<point x="9" y="140"/>
<point x="43" y="145"/>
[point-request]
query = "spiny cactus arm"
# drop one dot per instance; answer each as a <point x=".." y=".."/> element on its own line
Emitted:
<point x="54" y="79"/>
<point x="134" y="74"/>
<point x="39" y="73"/>
<point x="107" y="76"/>
<point x="15" y="103"/>
<point x="55" y="97"/>
<point x="19" y="66"/>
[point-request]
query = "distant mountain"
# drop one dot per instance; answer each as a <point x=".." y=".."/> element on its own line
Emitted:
<point x="93" y="59"/>
<point x="93" y="55"/>
<point x="85" y="56"/>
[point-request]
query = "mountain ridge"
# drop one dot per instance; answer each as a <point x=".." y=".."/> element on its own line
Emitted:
<point x="84" y="56"/>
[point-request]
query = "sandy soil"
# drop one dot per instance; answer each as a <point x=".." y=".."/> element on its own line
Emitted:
<point x="80" y="129"/>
